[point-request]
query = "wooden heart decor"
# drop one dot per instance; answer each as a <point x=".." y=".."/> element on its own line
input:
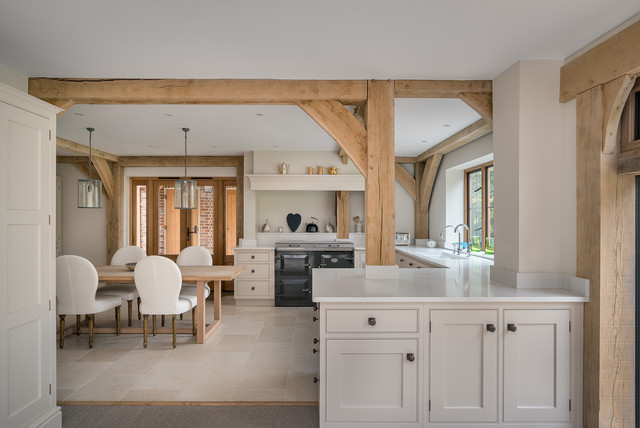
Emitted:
<point x="294" y="220"/>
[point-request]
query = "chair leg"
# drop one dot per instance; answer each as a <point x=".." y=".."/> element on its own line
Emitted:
<point x="173" y="326"/>
<point x="118" y="321"/>
<point x="91" y="319"/>
<point x="77" y="325"/>
<point x="181" y="317"/>
<point x="145" y="324"/>
<point x="162" y="322"/>
<point x="154" y="330"/>
<point x="138" y="309"/>
<point x="193" y="320"/>
<point x="62" y="331"/>
<point x="130" y="310"/>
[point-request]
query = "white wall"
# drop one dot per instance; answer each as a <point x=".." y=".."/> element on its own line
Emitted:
<point x="405" y="207"/>
<point x="84" y="230"/>
<point x="534" y="146"/>
<point x="266" y="162"/>
<point x="13" y="78"/>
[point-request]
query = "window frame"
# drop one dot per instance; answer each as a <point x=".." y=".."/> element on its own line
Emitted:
<point x="483" y="167"/>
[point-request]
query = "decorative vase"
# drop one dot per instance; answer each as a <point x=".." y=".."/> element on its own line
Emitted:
<point x="266" y="227"/>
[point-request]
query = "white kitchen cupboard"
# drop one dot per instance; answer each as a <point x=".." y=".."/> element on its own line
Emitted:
<point x="256" y="281"/>
<point x="405" y="261"/>
<point x="27" y="261"/>
<point x="359" y="257"/>
<point x="58" y="216"/>
<point x="464" y="366"/>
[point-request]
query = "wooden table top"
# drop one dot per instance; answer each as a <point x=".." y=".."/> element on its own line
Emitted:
<point x="189" y="273"/>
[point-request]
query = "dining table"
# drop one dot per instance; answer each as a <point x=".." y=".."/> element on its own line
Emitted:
<point x="200" y="275"/>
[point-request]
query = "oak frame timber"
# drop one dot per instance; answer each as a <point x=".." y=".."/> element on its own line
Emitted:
<point x="459" y="139"/>
<point x="81" y="149"/>
<point x="440" y="88"/>
<point x="406" y="180"/>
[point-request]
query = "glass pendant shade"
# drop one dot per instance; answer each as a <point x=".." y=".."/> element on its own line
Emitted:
<point x="89" y="193"/>
<point x="186" y="194"/>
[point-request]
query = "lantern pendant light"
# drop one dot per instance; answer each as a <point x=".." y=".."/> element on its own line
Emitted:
<point x="89" y="191"/>
<point x="186" y="191"/>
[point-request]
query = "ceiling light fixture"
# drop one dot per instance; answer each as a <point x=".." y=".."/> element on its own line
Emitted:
<point x="446" y="125"/>
<point x="186" y="191"/>
<point x="89" y="191"/>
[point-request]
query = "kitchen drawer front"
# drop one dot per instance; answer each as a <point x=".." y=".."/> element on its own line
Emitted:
<point x="255" y="271"/>
<point x="372" y="320"/>
<point x="247" y="288"/>
<point x="252" y="256"/>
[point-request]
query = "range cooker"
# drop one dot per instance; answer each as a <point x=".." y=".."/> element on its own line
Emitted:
<point x="295" y="261"/>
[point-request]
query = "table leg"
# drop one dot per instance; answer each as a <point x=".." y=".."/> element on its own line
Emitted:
<point x="217" y="295"/>
<point x="200" y="312"/>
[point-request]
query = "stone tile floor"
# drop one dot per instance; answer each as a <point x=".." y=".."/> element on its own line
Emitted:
<point x="257" y="354"/>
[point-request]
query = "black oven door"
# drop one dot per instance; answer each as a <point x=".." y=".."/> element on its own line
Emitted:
<point x="336" y="259"/>
<point x="292" y="264"/>
<point x="293" y="279"/>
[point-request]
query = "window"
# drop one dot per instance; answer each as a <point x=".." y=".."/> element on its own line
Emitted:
<point x="478" y="202"/>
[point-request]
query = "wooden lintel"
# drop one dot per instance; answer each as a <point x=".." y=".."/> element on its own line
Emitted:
<point x="104" y="171"/>
<point x="440" y="88"/>
<point x="427" y="181"/>
<point x="459" y="139"/>
<point x="406" y="159"/>
<point x="148" y="161"/>
<point x="63" y="104"/>
<point x="344" y="156"/>
<point x="342" y="214"/>
<point x="197" y="91"/>
<point x="342" y="126"/>
<point x="72" y="159"/>
<point x="614" y="57"/>
<point x="406" y="180"/>
<point x="73" y="147"/>
<point x="481" y="102"/>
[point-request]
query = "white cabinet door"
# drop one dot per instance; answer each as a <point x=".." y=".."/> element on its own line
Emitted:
<point x="536" y="365"/>
<point x="26" y="256"/>
<point x="372" y="380"/>
<point x="464" y="366"/>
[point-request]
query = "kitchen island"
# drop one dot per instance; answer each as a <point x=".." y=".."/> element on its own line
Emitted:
<point x="447" y="347"/>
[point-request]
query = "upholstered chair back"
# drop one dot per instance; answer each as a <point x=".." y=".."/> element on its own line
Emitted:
<point x="158" y="281"/>
<point x="194" y="256"/>
<point x="76" y="285"/>
<point x="129" y="254"/>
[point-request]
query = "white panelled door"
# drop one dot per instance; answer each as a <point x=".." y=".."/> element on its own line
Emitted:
<point x="27" y="356"/>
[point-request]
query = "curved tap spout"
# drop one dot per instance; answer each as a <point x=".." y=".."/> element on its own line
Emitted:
<point x="443" y="229"/>
<point x="460" y="237"/>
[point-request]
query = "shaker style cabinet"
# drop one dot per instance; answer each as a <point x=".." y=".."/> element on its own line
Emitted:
<point x="256" y="282"/>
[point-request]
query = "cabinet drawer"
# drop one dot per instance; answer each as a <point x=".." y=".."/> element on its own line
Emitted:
<point x="255" y="271"/>
<point x="361" y="320"/>
<point x="245" y="288"/>
<point x="252" y="256"/>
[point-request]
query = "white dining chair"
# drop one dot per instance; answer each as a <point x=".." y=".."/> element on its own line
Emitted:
<point x="194" y="256"/>
<point x="76" y="285"/>
<point x="128" y="292"/>
<point x="158" y="281"/>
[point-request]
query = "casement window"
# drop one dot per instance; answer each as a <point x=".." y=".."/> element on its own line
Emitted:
<point x="478" y="206"/>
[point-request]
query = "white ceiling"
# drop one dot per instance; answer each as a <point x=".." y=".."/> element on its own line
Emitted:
<point x="285" y="39"/>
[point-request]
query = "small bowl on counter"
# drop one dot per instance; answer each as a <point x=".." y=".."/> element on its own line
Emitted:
<point x="130" y="266"/>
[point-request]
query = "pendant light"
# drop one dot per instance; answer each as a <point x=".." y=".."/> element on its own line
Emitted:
<point x="89" y="191"/>
<point x="186" y="191"/>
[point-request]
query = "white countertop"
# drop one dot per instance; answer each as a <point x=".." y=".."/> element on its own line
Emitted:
<point x="463" y="280"/>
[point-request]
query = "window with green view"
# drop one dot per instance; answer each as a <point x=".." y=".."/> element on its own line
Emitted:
<point x="479" y="207"/>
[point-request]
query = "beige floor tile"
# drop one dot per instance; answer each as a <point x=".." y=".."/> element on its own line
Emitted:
<point x="264" y="375"/>
<point x="276" y="335"/>
<point x="75" y="375"/>
<point x="236" y="343"/>
<point x="105" y="388"/>
<point x="218" y="362"/>
<point x="168" y="375"/>
<point x="150" y="395"/>
<point x="66" y="356"/>
<point x="81" y="342"/>
<point x="191" y="352"/>
<point x="136" y="362"/>
<point x="102" y="355"/>
<point x="300" y="387"/>
<point x="209" y="388"/>
<point x="281" y="321"/>
<point x="285" y="311"/>
<point x="252" y="316"/>
<point x="242" y="327"/>
<point x="265" y="351"/>
<point x="258" y="395"/>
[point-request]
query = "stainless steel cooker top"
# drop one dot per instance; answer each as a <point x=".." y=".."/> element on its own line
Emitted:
<point x="314" y="246"/>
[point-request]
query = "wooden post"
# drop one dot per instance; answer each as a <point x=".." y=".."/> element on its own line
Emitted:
<point x="380" y="175"/>
<point x="115" y="221"/>
<point x="342" y="214"/>
<point x="421" y="216"/>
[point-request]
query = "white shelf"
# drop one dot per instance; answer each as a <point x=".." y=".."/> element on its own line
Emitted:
<point x="306" y="182"/>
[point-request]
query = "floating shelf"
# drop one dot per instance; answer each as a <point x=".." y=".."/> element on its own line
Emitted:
<point x="306" y="182"/>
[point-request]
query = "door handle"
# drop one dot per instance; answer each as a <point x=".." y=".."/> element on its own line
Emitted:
<point x="491" y="328"/>
<point x="189" y="232"/>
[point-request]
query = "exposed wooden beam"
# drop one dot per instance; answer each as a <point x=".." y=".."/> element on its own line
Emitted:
<point x="342" y="126"/>
<point x="197" y="91"/>
<point x="127" y="161"/>
<point x="344" y="156"/>
<point x="63" y="104"/>
<point x="72" y="159"/>
<point x="380" y="176"/>
<point x="342" y="214"/>
<point x="616" y="94"/>
<point x="83" y="167"/>
<point x="481" y="102"/>
<point x="73" y="147"/>
<point x="406" y="180"/>
<point x="115" y="213"/>
<point x="428" y="179"/>
<point x="104" y="171"/>
<point x="459" y="139"/>
<point x="614" y="57"/>
<point x="439" y="88"/>
<point x="406" y="159"/>
<point x="421" y="216"/>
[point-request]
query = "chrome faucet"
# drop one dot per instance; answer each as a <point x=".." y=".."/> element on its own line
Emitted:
<point x="460" y="238"/>
<point x="442" y="233"/>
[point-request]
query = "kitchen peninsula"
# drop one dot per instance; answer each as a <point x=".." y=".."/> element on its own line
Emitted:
<point x="448" y="347"/>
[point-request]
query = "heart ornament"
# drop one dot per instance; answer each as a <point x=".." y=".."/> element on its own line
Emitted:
<point x="294" y="220"/>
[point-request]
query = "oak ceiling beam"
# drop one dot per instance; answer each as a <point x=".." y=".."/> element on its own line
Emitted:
<point x="406" y="159"/>
<point x="342" y="126"/>
<point x="614" y="57"/>
<point x="80" y="149"/>
<point x="72" y="159"/>
<point x="406" y="180"/>
<point x="206" y="161"/>
<point x="459" y="139"/>
<point x="197" y="91"/>
<point x="63" y="104"/>
<point x="344" y="156"/>
<point x="616" y="94"/>
<point x="440" y="88"/>
<point x="481" y="102"/>
<point x="428" y="180"/>
<point x="104" y="171"/>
